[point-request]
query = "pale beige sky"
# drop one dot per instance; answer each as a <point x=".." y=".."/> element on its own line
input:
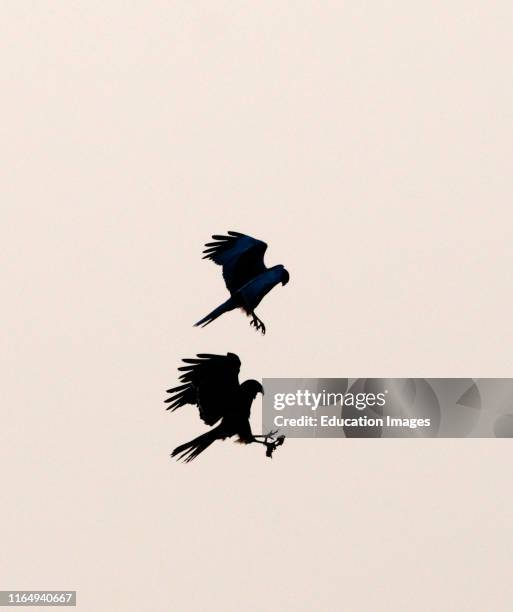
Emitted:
<point x="370" y="145"/>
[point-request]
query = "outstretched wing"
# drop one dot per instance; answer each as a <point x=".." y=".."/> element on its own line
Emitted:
<point x="210" y="382"/>
<point x="241" y="256"/>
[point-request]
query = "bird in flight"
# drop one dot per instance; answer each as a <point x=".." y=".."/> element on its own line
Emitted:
<point x="246" y="276"/>
<point x="211" y="382"/>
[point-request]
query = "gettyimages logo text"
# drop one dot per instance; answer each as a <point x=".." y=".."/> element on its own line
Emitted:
<point x="314" y="400"/>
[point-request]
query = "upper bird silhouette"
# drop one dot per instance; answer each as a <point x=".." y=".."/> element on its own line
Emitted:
<point x="246" y="276"/>
<point x="211" y="382"/>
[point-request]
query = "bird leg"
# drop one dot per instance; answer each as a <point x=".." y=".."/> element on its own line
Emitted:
<point x="272" y="445"/>
<point x="257" y="323"/>
<point x="271" y="434"/>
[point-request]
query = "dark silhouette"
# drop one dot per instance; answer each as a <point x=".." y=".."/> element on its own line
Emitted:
<point x="211" y="382"/>
<point x="246" y="276"/>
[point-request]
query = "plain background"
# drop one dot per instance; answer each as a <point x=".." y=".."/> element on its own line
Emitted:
<point x="370" y="145"/>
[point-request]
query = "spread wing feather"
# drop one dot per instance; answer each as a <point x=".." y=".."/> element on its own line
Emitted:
<point x="210" y="382"/>
<point x="241" y="256"/>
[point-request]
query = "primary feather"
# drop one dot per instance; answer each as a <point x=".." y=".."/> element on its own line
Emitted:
<point x="207" y="382"/>
<point x="241" y="256"/>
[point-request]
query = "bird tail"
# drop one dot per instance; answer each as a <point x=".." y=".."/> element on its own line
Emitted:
<point x="217" y="312"/>
<point x="190" y="450"/>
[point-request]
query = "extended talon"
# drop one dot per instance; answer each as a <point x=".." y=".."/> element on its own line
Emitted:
<point x="266" y="436"/>
<point x="258" y="324"/>
<point x="272" y="446"/>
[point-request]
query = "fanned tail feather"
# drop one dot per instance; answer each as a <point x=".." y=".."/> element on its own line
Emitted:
<point x="190" y="450"/>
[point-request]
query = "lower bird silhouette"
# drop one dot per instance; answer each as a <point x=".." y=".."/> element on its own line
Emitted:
<point x="211" y="382"/>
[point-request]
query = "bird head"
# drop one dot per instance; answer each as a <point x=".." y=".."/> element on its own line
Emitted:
<point x="285" y="277"/>
<point x="252" y="387"/>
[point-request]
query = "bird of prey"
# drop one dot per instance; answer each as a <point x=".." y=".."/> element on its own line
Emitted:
<point x="211" y="382"/>
<point x="246" y="276"/>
